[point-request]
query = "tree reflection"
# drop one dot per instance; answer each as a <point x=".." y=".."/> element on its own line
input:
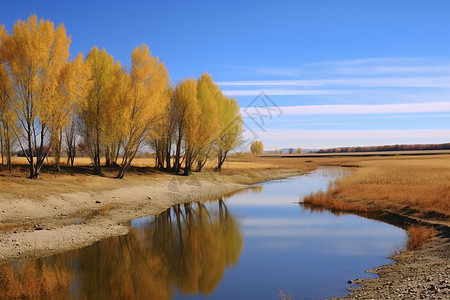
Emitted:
<point x="187" y="247"/>
<point x="29" y="279"/>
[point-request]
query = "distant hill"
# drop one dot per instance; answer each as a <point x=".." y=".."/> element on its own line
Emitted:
<point x="445" y="146"/>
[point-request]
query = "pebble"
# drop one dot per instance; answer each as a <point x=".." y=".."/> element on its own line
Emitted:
<point x="423" y="274"/>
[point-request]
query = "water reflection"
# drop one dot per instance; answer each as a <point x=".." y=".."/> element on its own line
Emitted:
<point x="187" y="247"/>
<point x="186" y="252"/>
<point x="29" y="279"/>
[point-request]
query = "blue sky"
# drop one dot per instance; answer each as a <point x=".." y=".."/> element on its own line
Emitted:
<point x="335" y="73"/>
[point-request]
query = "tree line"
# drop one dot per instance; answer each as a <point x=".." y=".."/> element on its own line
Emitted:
<point x="445" y="146"/>
<point x="49" y="101"/>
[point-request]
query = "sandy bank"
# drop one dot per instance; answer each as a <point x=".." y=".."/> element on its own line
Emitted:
<point x="67" y="221"/>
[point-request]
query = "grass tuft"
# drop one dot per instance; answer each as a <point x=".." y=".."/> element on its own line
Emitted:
<point x="419" y="235"/>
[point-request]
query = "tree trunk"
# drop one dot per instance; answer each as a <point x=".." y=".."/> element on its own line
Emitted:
<point x="8" y="150"/>
<point x="2" y="147"/>
<point x="168" y="155"/>
<point x="187" y="164"/>
<point x="107" y="157"/>
<point x="128" y="157"/>
<point x="57" y="161"/>
<point x="57" y="150"/>
<point x="201" y="164"/>
<point x="222" y="156"/>
<point x="177" y="163"/>
<point x="97" y="169"/>
<point x="31" y="154"/>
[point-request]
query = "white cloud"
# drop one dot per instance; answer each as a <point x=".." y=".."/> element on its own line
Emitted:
<point x="428" y="82"/>
<point x="282" y="92"/>
<point x="361" y="109"/>
<point x="377" y="66"/>
<point x="383" y="66"/>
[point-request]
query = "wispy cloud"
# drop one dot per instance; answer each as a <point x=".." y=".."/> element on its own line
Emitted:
<point x="428" y="82"/>
<point x="403" y="108"/>
<point x="377" y="66"/>
<point x="280" y="92"/>
<point x="383" y="66"/>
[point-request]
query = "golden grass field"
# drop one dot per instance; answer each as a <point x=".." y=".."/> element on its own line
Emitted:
<point x="412" y="186"/>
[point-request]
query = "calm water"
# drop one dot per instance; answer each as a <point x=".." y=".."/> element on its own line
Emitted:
<point x="245" y="246"/>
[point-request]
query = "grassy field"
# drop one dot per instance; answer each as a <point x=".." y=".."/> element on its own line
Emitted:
<point x="418" y="186"/>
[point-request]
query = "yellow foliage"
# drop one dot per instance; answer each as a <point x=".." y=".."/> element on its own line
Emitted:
<point x="117" y="108"/>
<point x="35" y="55"/>
<point x="186" y="99"/>
<point x="149" y="81"/>
<point x="257" y="147"/>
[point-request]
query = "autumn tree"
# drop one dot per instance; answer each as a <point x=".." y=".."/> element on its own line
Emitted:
<point x="184" y="95"/>
<point x="298" y="151"/>
<point x="200" y="121"/>
<point x="163" y="134"/>
<point x="34" y="56"/>
<point x="209" y="96"/>
<point x="72" y="87"/>
<point x="45" y="98"/>
<point x="230" y="121"/>
<point x="94" y="106"/>
<point x="149" y="81"/>
<point x="257" y="147"/>
<point x="115" y="113"/>
<point x="199" y="101"/>
<point x="7" y="117"/>
<point x="188" y="126"/>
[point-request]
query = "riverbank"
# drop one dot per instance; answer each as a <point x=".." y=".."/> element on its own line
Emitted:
<point x="419" y="274"/>
<point x="60" y="212"/>
<point x="53" y="221"/>
<point x="403" y="192"/>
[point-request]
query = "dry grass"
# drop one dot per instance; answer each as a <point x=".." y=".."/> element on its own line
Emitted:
<point x="419" y="235"/>
<point x="30" y="280"/>
<point x="418" y="186"/>
<point x="251" y="162"/>
<point x="326" y="201"/>
<point x="415" y="184"/>
<point x="86" y="161"/>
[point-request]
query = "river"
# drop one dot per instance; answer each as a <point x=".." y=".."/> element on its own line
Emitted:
<point x="248" y="245"/>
